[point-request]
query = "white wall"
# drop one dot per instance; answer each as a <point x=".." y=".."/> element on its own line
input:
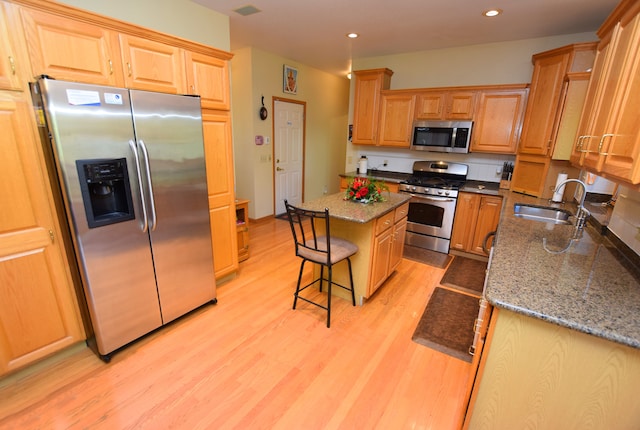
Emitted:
<point x="488" y="64"/>
<point x="181" y="18"/>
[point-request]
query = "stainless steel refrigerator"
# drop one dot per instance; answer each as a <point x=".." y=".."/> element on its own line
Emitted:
<point x="132" y="177"/>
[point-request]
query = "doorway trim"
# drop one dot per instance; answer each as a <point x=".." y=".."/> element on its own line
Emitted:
<point x="273" y="146"/>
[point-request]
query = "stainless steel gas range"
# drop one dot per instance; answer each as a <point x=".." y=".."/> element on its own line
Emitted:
<point x="434" y="187"/>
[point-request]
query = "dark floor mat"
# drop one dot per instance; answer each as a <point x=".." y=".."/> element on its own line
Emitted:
<point x="465" y="274"/>
<point x="426" y="256"/>
<point x="447" y="323"/>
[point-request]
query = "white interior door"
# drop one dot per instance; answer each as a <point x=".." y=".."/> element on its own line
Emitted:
<point x="288" y="153"/>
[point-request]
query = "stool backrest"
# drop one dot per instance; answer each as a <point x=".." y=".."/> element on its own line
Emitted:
<point x="310" y="243"/>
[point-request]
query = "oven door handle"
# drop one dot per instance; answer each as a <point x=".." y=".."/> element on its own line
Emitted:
<point x="433" y="199"/>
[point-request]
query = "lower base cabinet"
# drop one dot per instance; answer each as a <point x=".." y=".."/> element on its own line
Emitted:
<point x="535" y="374"/>
<point x="477" y="215"/>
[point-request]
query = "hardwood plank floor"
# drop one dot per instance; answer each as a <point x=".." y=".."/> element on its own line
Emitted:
<point x="251" y="362"/>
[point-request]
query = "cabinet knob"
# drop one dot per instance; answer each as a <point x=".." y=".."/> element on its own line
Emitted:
<point x="129" y="68"/>
<point x="13" y="65"/>
<point x="110" y="67"/>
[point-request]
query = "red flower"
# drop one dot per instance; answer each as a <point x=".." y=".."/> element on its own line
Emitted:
<point x="362" y="192"/>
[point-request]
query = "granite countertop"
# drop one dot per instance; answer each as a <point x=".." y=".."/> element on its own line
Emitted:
<point x="355" y="211"/>
<point x="585" y="284"/>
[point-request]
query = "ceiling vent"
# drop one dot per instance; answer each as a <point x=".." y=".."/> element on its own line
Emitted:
<point x="247" y="10"/>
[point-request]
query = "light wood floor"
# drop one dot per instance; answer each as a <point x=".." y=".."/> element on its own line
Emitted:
<point x="251" y="362"/>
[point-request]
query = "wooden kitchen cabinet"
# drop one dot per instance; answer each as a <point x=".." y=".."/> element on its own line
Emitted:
<point x="152" y="66"/>
<point x="609" y="138"/>
<point x="396" y="122"/>
<point x="222" y="206"/>
<point x="11" y="65"/>
<point x="476" y="216"/>
<point x="208" y="77"/>
<point x="555" y="99"/>
<point x="388" y="245"/>
<point x="242" y="228"/>
<point x="366" y="104"/>
<point x="498" y="119"/>
<point x="445" y="105"/>
<point x="535" y="374"/>
<point x="69" y="49"/>
<point x="38" y="310"/>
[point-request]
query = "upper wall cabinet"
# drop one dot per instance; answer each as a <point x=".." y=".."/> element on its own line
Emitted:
<point x="9" y="62"/>
<point x="72" y="50"/>
<point x="151" y="65"/>
<point x="366" y="104"/>
<point x="609" y="137"/>
<point x="396" y="119"/>
<point x="435" y="104"/>
<point x="498" y="119"/>
<point x="208" y="77"/>
<point x="555" y="100"/>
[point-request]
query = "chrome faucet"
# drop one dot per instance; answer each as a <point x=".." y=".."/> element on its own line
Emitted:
<point x="582" y="213"/>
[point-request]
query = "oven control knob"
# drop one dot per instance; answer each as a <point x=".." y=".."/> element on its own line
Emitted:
<point x="440" y="192"/>
<point x="413" y="188"/>
<point x="446" y="193"/>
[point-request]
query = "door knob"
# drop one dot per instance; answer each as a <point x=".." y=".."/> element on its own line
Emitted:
<point x="279" y="169"/>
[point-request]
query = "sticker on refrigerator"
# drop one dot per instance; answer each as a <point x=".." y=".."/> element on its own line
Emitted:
<point x="83" y="98"/>
<point x="112" y="99"/>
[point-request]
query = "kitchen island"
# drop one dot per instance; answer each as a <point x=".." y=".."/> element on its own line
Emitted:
<point x="563" y="348"/>
<point x="377" y="229"/>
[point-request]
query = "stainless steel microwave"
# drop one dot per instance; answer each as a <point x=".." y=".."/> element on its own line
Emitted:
<point x="441" y="136"/>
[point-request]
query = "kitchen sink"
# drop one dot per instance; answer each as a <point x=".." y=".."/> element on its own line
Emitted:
<point x="542" y="213"/>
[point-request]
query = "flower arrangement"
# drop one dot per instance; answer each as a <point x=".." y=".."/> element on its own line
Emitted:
<point x="365" y="190"/>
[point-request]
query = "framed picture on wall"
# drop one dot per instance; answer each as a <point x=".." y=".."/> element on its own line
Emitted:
<point x="290" y="80"/>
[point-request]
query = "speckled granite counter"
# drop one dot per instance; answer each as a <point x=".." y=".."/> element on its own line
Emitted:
<point x="353" y="211"/>
<point x="590" y="287"/>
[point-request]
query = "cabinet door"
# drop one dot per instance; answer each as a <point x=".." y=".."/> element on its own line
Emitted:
<point x="488" y="217"/>
<point x="71" y="50"/>
<point x="465" y="221"/>
<point x="530" y="174"/>
<point x="397" y="244"/>
<point x="152" y="66"/>
<point x="219" y="161"/>
<point x="9" y="78"/>
<point x="208" y="77"/>
<point x="498" y="121"/>
<point x="430" y="105"/>
<point x="589" y="111"/>
<point x="460" y="105"/>
<point x="38" y="309"/>
<point x="366" y="104"/>
<point x="542" y="106"/>
<point x="619" y="145"/>
<point x="397" y="120"/>
<point x="381" y="256"/>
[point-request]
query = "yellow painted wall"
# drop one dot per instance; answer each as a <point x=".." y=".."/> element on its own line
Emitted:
<point x="182" y="18"/>
<point x="256" y="73"/>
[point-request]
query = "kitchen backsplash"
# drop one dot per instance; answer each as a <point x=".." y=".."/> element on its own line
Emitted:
<point x="481" y="167"/>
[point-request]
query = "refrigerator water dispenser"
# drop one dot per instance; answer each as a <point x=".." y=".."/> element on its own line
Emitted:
<point x="106" y="193"/>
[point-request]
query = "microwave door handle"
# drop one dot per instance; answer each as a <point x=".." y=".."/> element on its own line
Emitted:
<point x="145" y="219"/>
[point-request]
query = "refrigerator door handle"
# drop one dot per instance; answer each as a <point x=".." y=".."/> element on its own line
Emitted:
<point x="154" y="219"/>
<point x="134" y="149"/>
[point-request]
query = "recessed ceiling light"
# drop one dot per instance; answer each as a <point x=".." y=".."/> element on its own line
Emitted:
<point x="492" y="12"/>
<point x="352" y="35"/>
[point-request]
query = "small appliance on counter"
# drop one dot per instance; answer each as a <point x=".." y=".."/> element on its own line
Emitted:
<point x="362" y="165"/>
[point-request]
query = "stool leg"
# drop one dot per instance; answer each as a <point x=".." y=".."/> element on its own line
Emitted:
<point x="295" y="296"/>
<point x="321" y="276"/>
<point x="329" y="283"/>
<point x="353" y="293"/>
